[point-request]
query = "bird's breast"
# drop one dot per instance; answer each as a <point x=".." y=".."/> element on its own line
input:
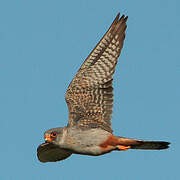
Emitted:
<point x="85" y="141"/>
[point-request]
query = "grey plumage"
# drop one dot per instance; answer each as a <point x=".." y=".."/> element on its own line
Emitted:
<point x="90" y="102"/>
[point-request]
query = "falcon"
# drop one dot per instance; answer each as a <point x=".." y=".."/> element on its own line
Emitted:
<point x="89" y="98"/>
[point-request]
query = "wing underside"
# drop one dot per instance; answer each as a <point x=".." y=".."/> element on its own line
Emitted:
<point x="48" y="152"/>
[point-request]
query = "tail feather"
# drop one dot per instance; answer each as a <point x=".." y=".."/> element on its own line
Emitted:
<point x="151" y="145"/>
<point x="143" y="144"/>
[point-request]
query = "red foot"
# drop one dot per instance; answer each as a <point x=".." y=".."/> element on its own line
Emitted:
<point x="123" y="148"/>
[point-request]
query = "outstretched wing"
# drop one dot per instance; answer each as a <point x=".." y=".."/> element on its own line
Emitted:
<point x="90" y="95"/>
<point x="47" y="152"/>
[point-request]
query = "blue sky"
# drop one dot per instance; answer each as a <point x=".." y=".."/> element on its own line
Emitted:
<point x="42" y="45"/>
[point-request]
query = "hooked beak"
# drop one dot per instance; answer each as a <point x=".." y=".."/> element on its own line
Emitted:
<point x="47" y="138"/>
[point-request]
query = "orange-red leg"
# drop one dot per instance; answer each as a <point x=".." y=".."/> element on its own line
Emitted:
<point x="123" y="148"/>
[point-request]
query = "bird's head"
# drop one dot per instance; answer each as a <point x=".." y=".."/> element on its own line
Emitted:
<point x="53" y="135"/>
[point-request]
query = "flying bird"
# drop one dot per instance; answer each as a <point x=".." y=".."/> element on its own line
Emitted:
<point x="89" y="98"/>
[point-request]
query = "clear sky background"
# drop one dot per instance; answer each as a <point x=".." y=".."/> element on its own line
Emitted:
<point x="42" y="45"/>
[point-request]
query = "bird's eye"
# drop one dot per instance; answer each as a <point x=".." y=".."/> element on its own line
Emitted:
<point x="53" y="134"/>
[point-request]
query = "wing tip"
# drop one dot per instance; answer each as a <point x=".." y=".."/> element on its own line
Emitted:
<point x="118" y="15"/>
<point x="124" y="17"/>
<point x="116" y="20"/>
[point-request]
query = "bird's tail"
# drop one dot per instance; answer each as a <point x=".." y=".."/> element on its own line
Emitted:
<point x="142" y="144"/>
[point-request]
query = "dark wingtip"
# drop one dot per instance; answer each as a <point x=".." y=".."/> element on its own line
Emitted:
<point x="126" y="18"/>
<point x="122" y="17"/>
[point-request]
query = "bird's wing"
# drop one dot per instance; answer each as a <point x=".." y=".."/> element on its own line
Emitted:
<point x="90" y="95"/>
<point x="48" y="152"/>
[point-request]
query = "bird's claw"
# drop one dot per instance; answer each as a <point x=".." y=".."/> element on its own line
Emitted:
<point x="123" y="148"/>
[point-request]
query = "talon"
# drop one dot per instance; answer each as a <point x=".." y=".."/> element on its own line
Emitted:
<point x="123" y="148"/>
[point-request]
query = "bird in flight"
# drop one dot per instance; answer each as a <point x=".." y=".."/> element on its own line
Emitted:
<point x="89" y="98"/>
